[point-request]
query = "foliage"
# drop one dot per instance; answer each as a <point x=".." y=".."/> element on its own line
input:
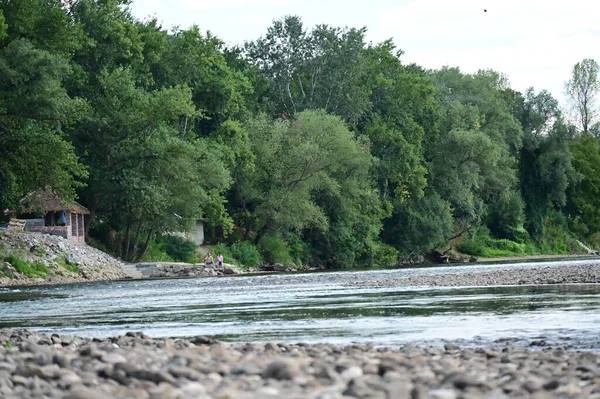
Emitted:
<point x="29" y="269"/>
<point x="584" y="196"/>
<point x="226" y="252"/>
<point x="247" y="254"/>
<point x="178" y="248"/>
<point x="583" y="89"/>
<point x="305" y="145"/>
<point x="275" y="250"/>
<point x="157" y="252"/>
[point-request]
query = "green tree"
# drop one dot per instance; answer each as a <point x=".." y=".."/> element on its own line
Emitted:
<point x="582" y="89"/>
<point x="584" y="196"/>
<point x="148" y="176"/>
<point x="34" y="106"/>
<point x="545" y="168"/>
<point x="320" y="69"/>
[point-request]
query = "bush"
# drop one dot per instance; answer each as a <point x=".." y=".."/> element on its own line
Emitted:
<point x="246" y="253"/>
<point x="385" y="255"/>
<point x="157" y="253"/>
<point x="275" y="250"/>
<point x="475" y="248"/>
<point x="171" y="249"/>
<point x="226" y="252"/>
<point x="484" y="245"/>
<point x="179" y="249"/>
<point x="28" y="269"/>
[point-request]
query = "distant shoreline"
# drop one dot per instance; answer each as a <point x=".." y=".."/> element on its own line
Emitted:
<point x="535" y="257"/>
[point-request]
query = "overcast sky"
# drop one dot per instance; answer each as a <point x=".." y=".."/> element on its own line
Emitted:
<point x="532" y="42"/>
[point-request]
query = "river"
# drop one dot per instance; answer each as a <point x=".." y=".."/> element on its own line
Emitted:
<point x="311" y="307"/>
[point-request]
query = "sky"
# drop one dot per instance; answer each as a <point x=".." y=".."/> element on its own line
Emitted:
<point x="530" y="41"/>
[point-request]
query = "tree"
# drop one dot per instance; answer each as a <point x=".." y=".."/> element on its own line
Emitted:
<point x="148" y="174"/>
<point x="320" y="69"/>
<point x="34" y="106"/>
<point x="545" y="164"/>
<point x="582" y="89"/>
<point x="311" y="180"/>
<point x="584" y="196"/>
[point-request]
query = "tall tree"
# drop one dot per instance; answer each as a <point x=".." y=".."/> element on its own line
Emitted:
<point x="310" y="70"/>
<point x="34" y="105"/>
<point x="545" y="169"/>
<point x="583" y="89"/>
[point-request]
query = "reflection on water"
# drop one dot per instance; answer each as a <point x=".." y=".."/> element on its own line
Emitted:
<point x="317" y="307"/>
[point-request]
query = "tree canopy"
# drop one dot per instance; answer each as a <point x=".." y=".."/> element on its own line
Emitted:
<point x="309" y="144"/>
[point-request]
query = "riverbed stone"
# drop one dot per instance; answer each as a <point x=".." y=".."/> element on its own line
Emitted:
<point x="185" y="370"/>
<point x="282" y="370"/>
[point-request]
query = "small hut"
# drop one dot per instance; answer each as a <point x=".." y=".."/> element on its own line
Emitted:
<point x="59" y="217"/>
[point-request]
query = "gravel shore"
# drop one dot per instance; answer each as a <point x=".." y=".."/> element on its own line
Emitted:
<point x="35" y="365"/>
<point x="587" y="272"/>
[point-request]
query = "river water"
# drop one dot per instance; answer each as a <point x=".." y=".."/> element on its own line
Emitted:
<point x="312" y="307"/>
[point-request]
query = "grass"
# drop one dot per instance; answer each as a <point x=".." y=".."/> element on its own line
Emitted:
<point x="28" y="269"/>
<point x="8" y="345"/>
<point x="62" y="261"/>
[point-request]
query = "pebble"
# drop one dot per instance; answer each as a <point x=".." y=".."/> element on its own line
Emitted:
<point x="144" y="368"/>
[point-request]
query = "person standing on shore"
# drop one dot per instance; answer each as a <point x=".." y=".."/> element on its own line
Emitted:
<point x="220" y="259"/>
<point x="208" y="259"/>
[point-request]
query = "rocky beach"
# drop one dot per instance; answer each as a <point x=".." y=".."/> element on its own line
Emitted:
<point x="586" y="272"/>
<point x="62" y="261"/>
<point x="34" y="365"/>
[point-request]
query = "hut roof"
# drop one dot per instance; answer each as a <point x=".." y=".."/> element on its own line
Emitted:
<point x="50" y="202"/>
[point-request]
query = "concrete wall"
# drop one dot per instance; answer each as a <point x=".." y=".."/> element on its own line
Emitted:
<point x="197" y="235"/>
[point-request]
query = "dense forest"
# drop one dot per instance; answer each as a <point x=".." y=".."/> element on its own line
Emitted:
<point x="305" y="145"/>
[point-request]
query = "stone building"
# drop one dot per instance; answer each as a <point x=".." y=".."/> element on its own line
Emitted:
<point x="44" y="212"/>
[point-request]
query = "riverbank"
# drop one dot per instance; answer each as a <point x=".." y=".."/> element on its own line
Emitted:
<point x="42" y="259"/>
<point x="137" y="366"/>
<point x="583" y="272"/>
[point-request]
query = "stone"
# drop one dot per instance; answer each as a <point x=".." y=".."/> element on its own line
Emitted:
<point x="185" y="372"/>
<point x="451" y="347"/>
<point x="193" y="389"/>
<point x="113" y="358"/>
<point x="82" y="392"/>
<point x="442" y="394"/>
<point x="282" y="370"/>
<point x="7" y="367"/>
<point x="351" y="373"/>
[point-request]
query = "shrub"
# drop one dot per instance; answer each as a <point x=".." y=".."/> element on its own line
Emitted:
<point x="246" y="253"/>
<point x="475" y="248"/>
<point x="179" y="249"/>
<point x="275" y="250"/>
<point x="70" y="267"/>
<point x="157" y="253"/>
<point x="385" y="255"/>
<point x="28" y="269"/>
<point x="226" y="252"/>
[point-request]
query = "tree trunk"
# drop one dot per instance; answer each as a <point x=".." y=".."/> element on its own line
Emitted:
<point x="125" y="249"/>
<point x="261" y="233"/>
<point x="137" y="236"/>
<point x="146" y="246"/>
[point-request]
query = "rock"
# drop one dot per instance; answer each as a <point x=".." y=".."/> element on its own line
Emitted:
<point x="351" y="373"/>
<point x="82" y="392"/>
<point x="185" y="372"/>
<point x="451" y="347"/>
<point x="282" y="370"/>
<point x="551" y="385"/>
<point x="442" y="394"/>
<point x="113" y="358"/>
<point x="7" y="367"/>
